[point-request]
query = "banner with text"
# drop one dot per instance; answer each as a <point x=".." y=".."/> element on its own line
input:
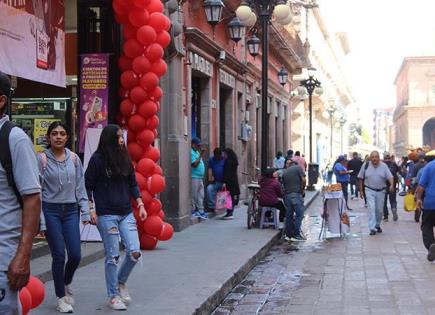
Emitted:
<point x="94" y="93"/>
<point x="32" y="37"/>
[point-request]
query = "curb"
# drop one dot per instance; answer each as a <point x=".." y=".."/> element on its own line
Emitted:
<point x="214" y="300"/>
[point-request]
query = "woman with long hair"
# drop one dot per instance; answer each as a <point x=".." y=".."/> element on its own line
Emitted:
<point x="231" y="180"/>
<point x="110" y="183"/>
<point x="63" y="194"/>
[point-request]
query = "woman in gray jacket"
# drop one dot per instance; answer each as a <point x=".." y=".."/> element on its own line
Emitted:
<point x="63" y="194"/>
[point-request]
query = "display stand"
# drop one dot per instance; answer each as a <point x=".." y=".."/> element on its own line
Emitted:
<point x="334" y="206"/>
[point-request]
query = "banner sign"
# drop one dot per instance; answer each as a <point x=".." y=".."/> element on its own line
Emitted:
<point x="94" y="93"/>
<point x="40" y="133"/>
<point x="32" y="37"/>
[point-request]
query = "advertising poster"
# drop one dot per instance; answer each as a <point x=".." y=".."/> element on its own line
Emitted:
<point x="94" y="93"/>
<point x="40" y="133"/>
<point x="32" y="37"/>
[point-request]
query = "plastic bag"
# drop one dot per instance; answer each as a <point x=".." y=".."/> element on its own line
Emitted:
<point x="409" y="202"/>
<point x="223" y="200"/>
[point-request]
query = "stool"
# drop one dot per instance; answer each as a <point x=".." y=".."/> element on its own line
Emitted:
<point x="263" y="220"/>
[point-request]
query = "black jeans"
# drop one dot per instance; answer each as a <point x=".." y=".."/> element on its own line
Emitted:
<point x="427" y="225"/>
<point x="393" y="202"/>
<point x="354" y="186"/>
<point x="344" y="186"/>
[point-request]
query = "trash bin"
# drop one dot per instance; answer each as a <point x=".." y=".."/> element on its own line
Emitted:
<point x="313" y="174"/>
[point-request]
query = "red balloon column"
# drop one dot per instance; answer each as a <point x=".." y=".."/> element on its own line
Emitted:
<point x="145" y="32"/>
<point x="32" y="295"/>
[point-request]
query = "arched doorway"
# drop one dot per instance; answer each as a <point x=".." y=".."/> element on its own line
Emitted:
<point x="429" y="133"/>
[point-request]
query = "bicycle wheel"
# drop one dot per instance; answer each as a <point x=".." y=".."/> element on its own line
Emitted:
<point x="251" y="214"/>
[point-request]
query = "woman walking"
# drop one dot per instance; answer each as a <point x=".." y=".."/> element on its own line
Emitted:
<point x="110" y="182"/>
<point x="231" y="180"/>
<point x="63" y="193"/>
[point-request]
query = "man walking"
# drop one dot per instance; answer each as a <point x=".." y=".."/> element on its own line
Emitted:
<point x="373" y="177"/>
<point x="300" y="160"/>
<point x="294" y="189"/>
<point x="391" y="194"/>
<point x="198" y="172"/>
<point x="216" y="166"/>
<point x="20" y="205"/>
<point x="354" y="166"/>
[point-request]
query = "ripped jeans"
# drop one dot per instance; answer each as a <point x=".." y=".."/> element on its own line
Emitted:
<point x="112" y="227"/>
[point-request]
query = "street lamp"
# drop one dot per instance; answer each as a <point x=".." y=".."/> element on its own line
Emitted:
<point x="236" y="29"/>
<point x="282" y="76"/>
<point x="247" y="12"/>
<point x="342" y="122"/>
<point x="253" y="44"/>
<point x="213" y="11"/>
<point x="331" y="110"/>
<point x="312" y="85"/>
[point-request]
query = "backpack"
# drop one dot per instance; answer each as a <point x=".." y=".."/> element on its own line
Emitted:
<point x="6" y="158"/>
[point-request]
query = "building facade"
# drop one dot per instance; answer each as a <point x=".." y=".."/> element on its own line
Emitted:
<point x="382" y="121"/>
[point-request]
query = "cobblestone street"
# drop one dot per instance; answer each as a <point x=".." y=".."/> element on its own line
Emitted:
<point x="360" y="274"/>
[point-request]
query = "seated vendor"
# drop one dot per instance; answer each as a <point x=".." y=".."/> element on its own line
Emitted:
<point x="271" y="191"/>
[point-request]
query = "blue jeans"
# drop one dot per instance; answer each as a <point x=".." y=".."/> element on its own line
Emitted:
<point x="294" y="213"/>
<point x="112" y="227"/>
<point x="9" y="304"/>
<point x="63" y="232"/>
<point x="212" y="190"/>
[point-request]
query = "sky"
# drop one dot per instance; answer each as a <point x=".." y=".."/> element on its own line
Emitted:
<point x="381" y="33"/>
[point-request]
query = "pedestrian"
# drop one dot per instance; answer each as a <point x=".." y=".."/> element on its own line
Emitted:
<point x="373" y="177"/>
<point x="279" y="161"/>
<point x="111" y="183"/>
<point x="63" y="194"/>
<point x="294" y="180"/>
<point x="271" y="192"/>
<point x="354" y="166"/>
<point x="231" y="180"/>
<point x="342" y="176"/>
<point x="391" y="193"/>
<point x="197" y="175"/>
<point x="300" y="160"/>
<point x="215" y="177"/>
<point x="289" y="156"/>
<point x="403" y="173"/>
<point x="20" y="205"/>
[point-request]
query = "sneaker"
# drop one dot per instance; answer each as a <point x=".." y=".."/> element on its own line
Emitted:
<point x="287" y="239"/>
<point x="195" y="214"/>
<point x="386" y="219"/>
<point x="373" y="232"/>
<point x="297" y="238"/>
<point x="116" y="304"/>
<point x="203" y="215"/>
<point x="69" y="297"/>
<point x="124" y="294"/>
<point x="395" y="217"/>
<point x="228" y="217"/>
<point x="431" y="254"/>
<point x="302" y="235"/>
<point x="378" y="229"/>
<point x="63" y="306"/>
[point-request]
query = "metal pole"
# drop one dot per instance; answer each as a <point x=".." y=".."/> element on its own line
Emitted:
<point x="331" y="136"/>
<point x="264" y="89"/>
<point x="311" y="125"/>
<point x="341" y="139"/>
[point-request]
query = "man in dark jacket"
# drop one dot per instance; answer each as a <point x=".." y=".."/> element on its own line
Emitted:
<point x="391" y="194"/>
<point x="354" y="165"/>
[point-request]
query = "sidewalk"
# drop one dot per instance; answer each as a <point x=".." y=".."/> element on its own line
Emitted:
<point x="190" y="274"/>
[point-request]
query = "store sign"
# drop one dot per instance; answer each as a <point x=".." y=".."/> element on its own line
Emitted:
<point x="227" y="79"/>
<point x="201" y="64"/>
<point x="94" y="93"/>
<point x="32" y="37"/>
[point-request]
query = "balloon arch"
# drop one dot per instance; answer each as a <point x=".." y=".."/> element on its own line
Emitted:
<point x="145" y="34"/>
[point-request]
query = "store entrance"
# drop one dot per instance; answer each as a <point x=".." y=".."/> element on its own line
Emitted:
<point x="225" y="118"/>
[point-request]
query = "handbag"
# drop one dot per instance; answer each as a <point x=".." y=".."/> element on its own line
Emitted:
<point x="223" y="200"/>
<point x="409" y="202"/>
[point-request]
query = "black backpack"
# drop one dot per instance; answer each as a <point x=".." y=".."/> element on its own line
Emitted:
<point x="6" y="158"/>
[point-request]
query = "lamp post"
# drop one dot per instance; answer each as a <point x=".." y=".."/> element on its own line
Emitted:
<point x="312" y="85"/>
<point x="331" y="110"/>
<point x="342" y="122"/>
<point x="247" y="12"/>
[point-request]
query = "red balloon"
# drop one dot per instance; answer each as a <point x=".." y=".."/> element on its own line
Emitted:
<point x="157" y="21"/>
<point x="126" y="108"/>
<point x="163" y="39"/>
<point x="154" y="207"/>
<point x="149" y="81"/>
<point x="129" y="31"/>
<point x="37" y="291"/>
<point x="129" y="79"/>
<point x="138" y="17"/>
<point x="166" y="233"/>
<point x="135" y="150"/>
<point x="153" y="225"/>
<point x="155" y="6"/>
<point x="162" y="215"/>
<point x="158" y="170"/>
<point x="26" y="300"/>
<point x="136" y="123"/>
<point x="141" y="181"/>
<point x="148" y="242"/>
<point x="146" y="35"/>
<point x="141" y="3"/>
<point x="156" y="184"/>
<point x="156" y="134"/>
<point x="146" y="197"/>
<point x="123" y="93"/>
<point x="124" y="63"/>
<point x="141" y="65"/>
<point x="152" y="122"/>
<point x="119" y="7"/>
<point x="137" y="218"/>
<point x="146" y="167"/>
<point x="153" y="154"/>
<point x="147" y="109"/>
<point x="154" y="52"/>
<point x="156" y="94"/>
<point x="138" y="95"/>
<point x="168" y="23"/>
<point x="159" y="67"/>
<point x="131" y="136"/>
<point x="145" y="137"/>
<point x="121" y="18"/>
<point x="132" y="48"/>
